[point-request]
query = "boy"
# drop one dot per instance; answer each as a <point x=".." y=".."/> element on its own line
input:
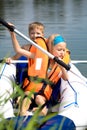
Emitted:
<point x="35" y="29"/>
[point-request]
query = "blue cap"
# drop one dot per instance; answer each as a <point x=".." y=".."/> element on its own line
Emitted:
<point x="57" y="40"/>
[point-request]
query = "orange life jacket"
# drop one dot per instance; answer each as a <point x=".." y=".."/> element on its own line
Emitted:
<point x="38" y="80"/>
<point x="66" y="58"/>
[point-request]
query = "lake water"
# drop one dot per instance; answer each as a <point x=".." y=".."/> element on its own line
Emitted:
<point x="66" y="17"/>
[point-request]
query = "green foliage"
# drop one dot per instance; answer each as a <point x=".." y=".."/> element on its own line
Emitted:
<point x="35" y="122"/>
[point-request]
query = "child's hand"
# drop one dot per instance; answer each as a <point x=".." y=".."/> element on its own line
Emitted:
<point x="8" y="60"/>
<point x="12" y="25"/>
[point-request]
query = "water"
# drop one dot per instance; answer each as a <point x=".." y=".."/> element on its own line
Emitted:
<point x="66" y="17"/>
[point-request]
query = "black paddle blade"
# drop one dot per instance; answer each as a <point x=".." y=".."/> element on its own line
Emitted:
<point x="10" y="27"/>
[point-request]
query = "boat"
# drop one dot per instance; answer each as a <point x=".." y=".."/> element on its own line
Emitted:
<point x="72" y="107"/>
<point x="7" y="79"/>
<point x="73" y="98"/>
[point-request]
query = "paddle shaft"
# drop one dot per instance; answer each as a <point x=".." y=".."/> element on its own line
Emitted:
<point x="78" y="61"/>
<point x="13" y="29"/>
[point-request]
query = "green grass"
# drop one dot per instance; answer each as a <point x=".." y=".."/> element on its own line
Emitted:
<point x="34" y="123"/>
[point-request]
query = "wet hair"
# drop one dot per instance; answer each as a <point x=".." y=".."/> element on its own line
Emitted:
<point x="36" y="25"/>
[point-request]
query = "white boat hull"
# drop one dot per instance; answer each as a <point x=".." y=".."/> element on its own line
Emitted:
<point x="7" y="74"/>
<point x="74" y="98"/>
<point x="73" y="95"/>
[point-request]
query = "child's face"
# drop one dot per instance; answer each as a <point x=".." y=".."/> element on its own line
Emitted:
<point x="36" y="33"/>
<point x="59" y="50"/>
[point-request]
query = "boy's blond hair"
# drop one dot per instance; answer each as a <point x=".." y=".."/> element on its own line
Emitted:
<point x="36" y="25"/>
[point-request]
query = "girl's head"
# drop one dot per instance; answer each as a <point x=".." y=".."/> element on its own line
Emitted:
<point x="36" y="29"/>
<point x="57" y="46"/>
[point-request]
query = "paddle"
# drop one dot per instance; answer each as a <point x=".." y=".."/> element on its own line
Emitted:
<point x="13" y="29"/>
<point x="79" y="61"/>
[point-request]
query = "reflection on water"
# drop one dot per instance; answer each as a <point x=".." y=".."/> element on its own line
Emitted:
<point x="67" y="17"/>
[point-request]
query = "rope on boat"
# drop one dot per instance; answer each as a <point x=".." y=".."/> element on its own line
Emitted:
<point x="75" y="103"/>
<point x="2" y="70"/>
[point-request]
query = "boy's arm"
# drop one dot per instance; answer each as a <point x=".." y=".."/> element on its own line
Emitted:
<point x="26" y="47"/>
<point x="15" y="57"/>
<point x="18" y="48"/>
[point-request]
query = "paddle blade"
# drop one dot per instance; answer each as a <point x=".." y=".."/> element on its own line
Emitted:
<point x="10" y="27"/>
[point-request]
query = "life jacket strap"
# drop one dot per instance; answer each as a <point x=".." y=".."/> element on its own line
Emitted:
<point x="36" y="79"/>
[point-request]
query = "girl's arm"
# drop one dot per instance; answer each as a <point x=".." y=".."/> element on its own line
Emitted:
<point x="64" y="73"/>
